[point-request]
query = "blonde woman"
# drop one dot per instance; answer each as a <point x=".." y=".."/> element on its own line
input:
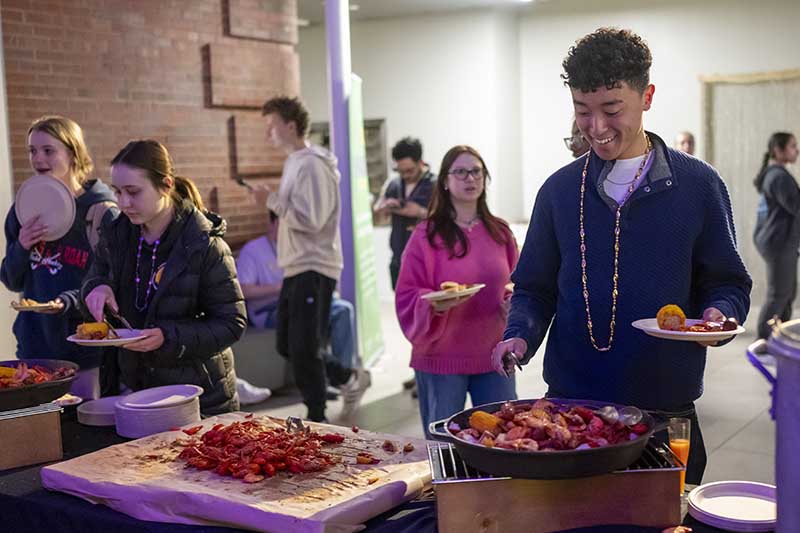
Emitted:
<point x="54" y="270"/>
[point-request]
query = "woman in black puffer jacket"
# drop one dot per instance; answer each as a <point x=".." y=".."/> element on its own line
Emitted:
<point x="165" y="267"/>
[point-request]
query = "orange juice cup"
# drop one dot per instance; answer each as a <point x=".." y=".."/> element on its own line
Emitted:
<point x="679" y="436"/>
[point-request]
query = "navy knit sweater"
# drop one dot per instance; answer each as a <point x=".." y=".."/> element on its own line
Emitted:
<point x="677" y="246"/>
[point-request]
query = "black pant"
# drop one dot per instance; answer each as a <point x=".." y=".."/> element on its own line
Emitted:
<point x="394" y="270"/>
<point x="303" y="310"/>
<point x="781" y="289"/>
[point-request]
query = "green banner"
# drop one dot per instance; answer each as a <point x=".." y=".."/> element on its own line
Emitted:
<point x="368" y="312"/>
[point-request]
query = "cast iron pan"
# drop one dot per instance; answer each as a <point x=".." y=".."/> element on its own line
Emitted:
<point x="557" y="464"/>
<point x="30" y="395"/>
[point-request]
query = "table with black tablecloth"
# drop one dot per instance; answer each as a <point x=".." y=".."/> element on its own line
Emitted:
<point x="26" y="506"/>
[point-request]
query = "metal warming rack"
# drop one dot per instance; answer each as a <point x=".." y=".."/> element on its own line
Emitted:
<point x="644" y="494"/>
<point x="447" y="466"/>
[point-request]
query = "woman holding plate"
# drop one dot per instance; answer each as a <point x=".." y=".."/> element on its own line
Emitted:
<point x="165" y="267"/>
<point x="50" y="248"/>
<point x="462" y="242"/>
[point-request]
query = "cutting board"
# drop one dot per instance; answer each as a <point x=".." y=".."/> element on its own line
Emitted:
<point x="141" y="478"/>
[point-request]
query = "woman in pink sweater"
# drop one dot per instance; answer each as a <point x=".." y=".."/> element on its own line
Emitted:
<point x="452" y="340"/>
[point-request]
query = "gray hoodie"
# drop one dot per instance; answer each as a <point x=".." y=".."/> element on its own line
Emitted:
<point x="308" y="204"/>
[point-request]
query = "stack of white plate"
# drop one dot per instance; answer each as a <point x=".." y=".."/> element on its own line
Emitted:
<point x="744" y="506"/>
<point x="98" y="412"/>
<point x="151" y="411"/>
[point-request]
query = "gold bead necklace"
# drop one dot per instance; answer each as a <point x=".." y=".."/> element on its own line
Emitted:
<point x="615" y="279"/>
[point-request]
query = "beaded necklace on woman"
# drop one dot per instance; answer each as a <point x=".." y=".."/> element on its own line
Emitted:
<point x="615" y="278"/>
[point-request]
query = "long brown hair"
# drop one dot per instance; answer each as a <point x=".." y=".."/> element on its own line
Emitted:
<point x="442" y="215"/>
<point x="68" y="132"/>
<point x="152" y="157"/>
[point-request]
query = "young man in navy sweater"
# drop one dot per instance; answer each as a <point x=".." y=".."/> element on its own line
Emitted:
<point x="631" y="226"/>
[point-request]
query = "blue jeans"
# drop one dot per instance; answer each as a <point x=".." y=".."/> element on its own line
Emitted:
<point x="443" y="395"/>
<point x="342" y="323"/>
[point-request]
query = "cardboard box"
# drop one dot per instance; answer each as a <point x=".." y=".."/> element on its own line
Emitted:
<point x="30" y="438"/>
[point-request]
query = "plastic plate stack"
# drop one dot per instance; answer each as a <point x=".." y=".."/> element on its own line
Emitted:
<point x="743" y="506"/>
<point x="151" y="411"/>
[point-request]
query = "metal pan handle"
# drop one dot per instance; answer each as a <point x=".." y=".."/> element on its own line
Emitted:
<point x="753" y="351"/>
<point x="438" y="431"/>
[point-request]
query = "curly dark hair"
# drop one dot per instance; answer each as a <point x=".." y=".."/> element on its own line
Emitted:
<point x="607" y="57"/>
<point x="290" y="110"/>
<point x="407" y="147"/>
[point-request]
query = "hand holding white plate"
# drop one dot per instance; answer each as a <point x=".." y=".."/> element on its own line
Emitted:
<point x="126" y="336"/>
<point x="650" y="326"/>
<point x="49" y="199"/>
<point x="450" y="295"/>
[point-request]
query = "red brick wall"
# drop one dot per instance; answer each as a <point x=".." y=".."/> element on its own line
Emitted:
<point x="190" y="73"/>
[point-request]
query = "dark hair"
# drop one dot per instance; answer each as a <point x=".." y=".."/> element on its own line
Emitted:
<point x="442" y="215"/>
<point x="273" y="216"/>
<point x="777" y="141"/>
<point x="152" y="157"/>
<point x="605" y="58"/>
<point x="290" y="109"/>
<point x="407" y="147"/>
<point x="71" y="135"/>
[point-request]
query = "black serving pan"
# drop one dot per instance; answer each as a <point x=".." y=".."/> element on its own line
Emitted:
<point x="39" y="393"/>
<point x="557" y="464"/>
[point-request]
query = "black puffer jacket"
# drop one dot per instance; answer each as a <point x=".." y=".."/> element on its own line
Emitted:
<point x="198" y="305"/>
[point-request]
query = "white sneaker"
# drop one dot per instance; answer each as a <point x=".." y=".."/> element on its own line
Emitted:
<point x="249" y="394"/>
<point x="354" y="390"/>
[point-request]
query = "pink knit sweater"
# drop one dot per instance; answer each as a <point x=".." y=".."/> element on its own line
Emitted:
<point x="459" y="341"/>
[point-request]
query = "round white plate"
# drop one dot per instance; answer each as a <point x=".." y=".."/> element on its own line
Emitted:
<point x="743" y="506"/>
<point x="166" y="396"/>
<point x="49" y="199"/>
<point x="650" y="326"/>
<point x="126" y="336"/>
<point x="135" y="423"/>
<point x="98" y="412"/>
<point x="448" y="295"/>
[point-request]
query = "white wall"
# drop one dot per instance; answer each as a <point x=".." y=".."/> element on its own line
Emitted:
<point x="687" y="40"/>
<point x="443" y="78"/>
<point x="8" y="343"/>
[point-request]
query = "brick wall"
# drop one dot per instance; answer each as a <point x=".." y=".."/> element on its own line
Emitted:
<point x="190" y="73"/>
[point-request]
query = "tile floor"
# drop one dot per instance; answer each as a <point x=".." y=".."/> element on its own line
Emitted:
<point x="739" y="434"/>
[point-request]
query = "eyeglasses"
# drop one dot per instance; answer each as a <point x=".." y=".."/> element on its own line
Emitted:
<point x="461" y="173"/>
<point x="572" y="142"/>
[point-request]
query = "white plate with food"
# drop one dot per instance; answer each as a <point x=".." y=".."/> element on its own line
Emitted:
<point x="735" y="505"/>
<point x="49" y="199"/>
<point x="650" y="326"/>
<point x="454" y="291"/>
<point x="99" y="334"/>
<point x="28" y="304"/>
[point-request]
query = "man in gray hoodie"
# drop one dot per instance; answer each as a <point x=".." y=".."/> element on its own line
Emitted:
<point x="309" y="250"/>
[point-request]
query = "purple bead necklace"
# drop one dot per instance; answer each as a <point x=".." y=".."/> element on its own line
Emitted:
<point x="150" y="282"/>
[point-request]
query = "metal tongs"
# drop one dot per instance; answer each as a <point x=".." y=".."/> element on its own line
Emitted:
<point x="295" y="425"/>
<point x="510" y="359"/>
<point x="119" y="317"/>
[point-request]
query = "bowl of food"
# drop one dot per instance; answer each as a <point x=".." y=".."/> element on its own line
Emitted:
<point x="29" y="382"/>
<point x="550" y="438"/>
